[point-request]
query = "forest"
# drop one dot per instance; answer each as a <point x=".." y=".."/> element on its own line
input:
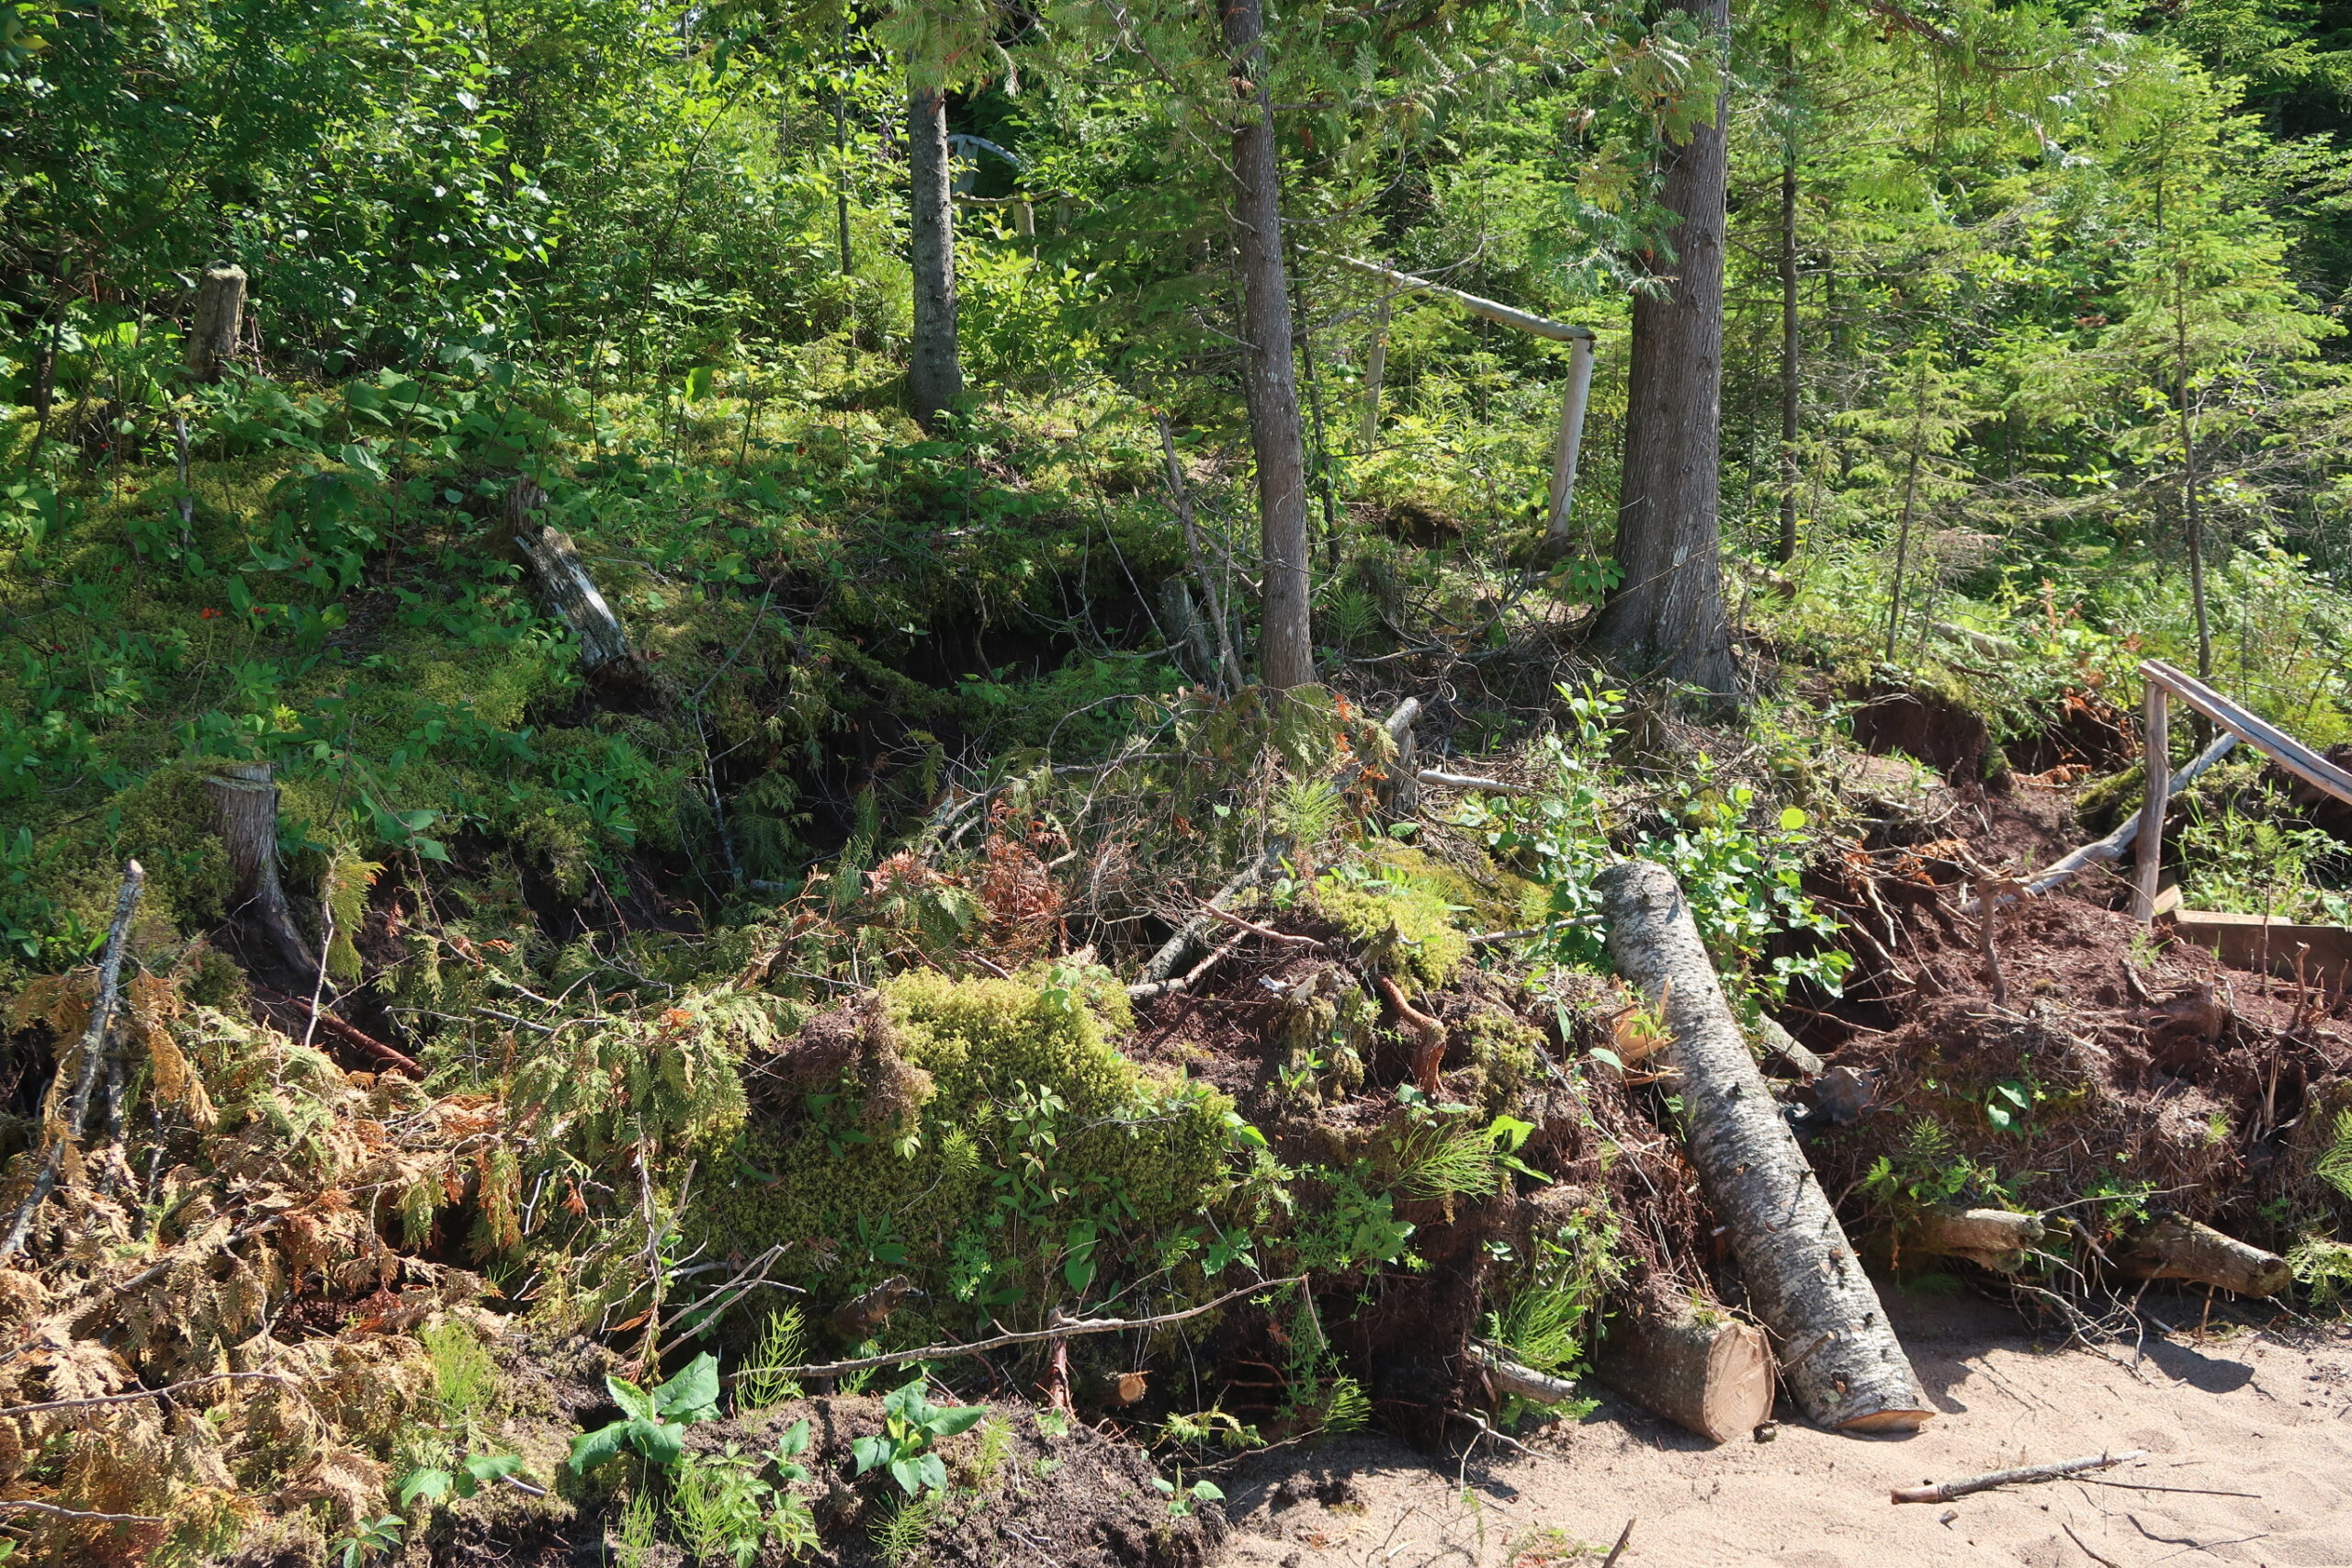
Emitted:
<point x="922" y="783"/>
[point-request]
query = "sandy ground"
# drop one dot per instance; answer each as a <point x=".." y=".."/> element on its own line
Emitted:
<point x="2262" y="1414"/>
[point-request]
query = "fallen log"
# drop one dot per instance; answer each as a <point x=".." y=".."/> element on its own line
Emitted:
<point x="2173" y="1246"/>
<point x="606" y="655"/>
<point x="1838" y="1355"/>
<point x="1773" y="1039"/>
<point x="1994" y="1239"/>
<point x="244" y="806"/>
<point x="1947" y="1491"/>
<point x="349" y="1034"/>
<point x="1713" y="1378"/>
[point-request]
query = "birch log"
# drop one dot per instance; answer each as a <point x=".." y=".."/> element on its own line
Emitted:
<point x="1715" y="1378"/>
<point x="1838" y="1355"/>
<point x="2174" y="1246"/>
<point x="604" y="651"/>
<point x="244" y="806"/>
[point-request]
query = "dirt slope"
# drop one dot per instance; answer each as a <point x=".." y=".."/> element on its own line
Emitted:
<point x="2259" y="1414"/>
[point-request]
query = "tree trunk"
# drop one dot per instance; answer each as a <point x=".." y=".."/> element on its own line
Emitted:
<point x="1376" y="366"/>
<point x="935" y="374"/>
<point x="218" y="321"/>
<point x="1285" y="650"/>
<point x="244" y="803"/>
<point x="1667" y="618"/>
<point x="1838" y="1355"/>
<point x="1715" y="1378"/>
<point x="1790" y="408"/>
<point x="2177" y="1248"/>
<point x="606" y="656"/>
<point x="841" y="136"/>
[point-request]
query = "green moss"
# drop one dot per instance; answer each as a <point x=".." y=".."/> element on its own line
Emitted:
<point x="1406" y="924"/>
<point x="1503" y="1057"/>
<point x="1012" y="1118"/>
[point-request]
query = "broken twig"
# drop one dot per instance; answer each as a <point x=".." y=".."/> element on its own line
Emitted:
<point x="1947" y="1491"/>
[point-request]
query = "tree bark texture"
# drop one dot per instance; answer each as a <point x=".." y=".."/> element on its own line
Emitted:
<point x="606" y="655"/>
<point x="935" y="372"/>
<point x="1715" y="1378"/>
<point x="217" y="319"/>
<point x="1998" y="1239"/>
<point x="244" y="803"/>
<point x="2176" y="1248"/>
<point x="1838" y="1354"/>
<point x="1665" y="618"/>
<point x="1286" y="648"/>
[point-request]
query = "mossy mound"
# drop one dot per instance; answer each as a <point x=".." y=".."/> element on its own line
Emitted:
<point x="1405" y="921"/>
<point x="983" y="1137"/>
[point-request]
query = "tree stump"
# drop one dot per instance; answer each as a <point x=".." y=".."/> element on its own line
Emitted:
<point x="1838" y="1355"/>
<point x="244" y="804"/>
<point x="606" y="656"/>
<point x="217" y="321"/>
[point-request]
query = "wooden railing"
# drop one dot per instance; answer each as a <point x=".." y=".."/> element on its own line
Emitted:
<point x="2164" y="682"/>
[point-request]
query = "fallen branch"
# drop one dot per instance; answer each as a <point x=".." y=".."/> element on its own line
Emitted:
<point x="2174" y="1246"/>
<point x="1512" y="1377"/>
<point x="1472" y="781"/>
<point x="137" y="1395"/>
<point x="1229" y="918"/>
<point x="344" y="1032"/>
<point x="1025" y="1337"/>
<point x="54" y="1511"/>
<point x="1149" y="988"/>
<point x="1948" y="1491"/>
<point x="94" y="1042"/>
<point x="1619" y="1550"/>
<point x="2112" y="847"/>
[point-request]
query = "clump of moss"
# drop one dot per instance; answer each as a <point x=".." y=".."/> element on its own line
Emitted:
<point x="1010" y="1119"/>
<point x="1503" y="1057"/>
<point x="1406" y="925"/>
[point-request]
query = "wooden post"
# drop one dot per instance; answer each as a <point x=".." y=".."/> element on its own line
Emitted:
<point x="1375" y="366"/>
<point x="2150" y="851"/>
<point x="218" y="321"/>
<point x="1564" y="456"/>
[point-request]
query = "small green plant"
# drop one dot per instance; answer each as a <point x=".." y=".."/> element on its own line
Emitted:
<point x="2323" y="1269"/>
<point x="762" y="1385"/>
<point x="1208" y="1427"/>
<point x="1184" y="1500"/>
<point x="474" y="1472"/>
<point x="374" y="1538"/>
<point x="912" y="1425"/>
<point x="996" y="1441"/>
<point x="2335" y="1166"/>
<point x="640" y="1523"/>
<point x="1052" y="1423"/>
<point x="1346" y="1408"/>
<point x="465" y="1380"/>
<point x="898" y="1532"/>
<point x="651" y="1419"/>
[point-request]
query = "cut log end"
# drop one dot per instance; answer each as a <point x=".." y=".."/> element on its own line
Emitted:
<point x="1890" y="1421"/>
<point x="1712" y="1378"/>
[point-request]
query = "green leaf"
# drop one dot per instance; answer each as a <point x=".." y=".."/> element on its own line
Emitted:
<point x="948" y="1423"/>
<point x="794" y="1440"/>
<point x="655" y="1441"/>
<point x="1208" y="1492"/>
<point x="430" y="1484"/>
<point x="484" y="1468"/>
<point x="693" y="1394"/>
<point x="870" y="1452"/>
<point x="635" y="1403"/>
<point x="1792" y="817"/>
<point x="590" y="1449"/>
<point x="698" y="380"/>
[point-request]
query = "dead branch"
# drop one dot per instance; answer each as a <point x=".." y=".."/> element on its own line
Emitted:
<point x="1947" y="1491"/>
<point x="1026" y="1337"/>
<point x="93" y="1040"/>
<point x="1150" y="988"/>
<point x="137" y="1395"/>
<point x="349" y="1035"/>
<point x="54" y="1511"/>
<point x="1267" y="931"/>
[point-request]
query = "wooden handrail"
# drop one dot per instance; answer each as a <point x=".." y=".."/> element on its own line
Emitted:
<point x="2280" y="747"/>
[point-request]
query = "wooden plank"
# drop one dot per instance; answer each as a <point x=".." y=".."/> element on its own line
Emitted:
<point x="2259" y="941"/>
<point x="2282" y="748"/>
<point x="2148" y="855"/>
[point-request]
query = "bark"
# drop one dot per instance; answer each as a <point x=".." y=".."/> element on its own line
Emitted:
<point x="1375" y="368"/>
<point x="1286" y="648"/>
<point x="1507" y="1376"/>
<point x="1667" y="618"/>
<point x="218" y="321"/>
<point x="244" y="803"/>
<point x="2177" y="1248"/>
<point x="934" y="374"/>
<point x="1994" y="1239"/>
<point x="1838" y="1355"/>
<point x="606" y="655"/>
<point x="1715" y="1378"/>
